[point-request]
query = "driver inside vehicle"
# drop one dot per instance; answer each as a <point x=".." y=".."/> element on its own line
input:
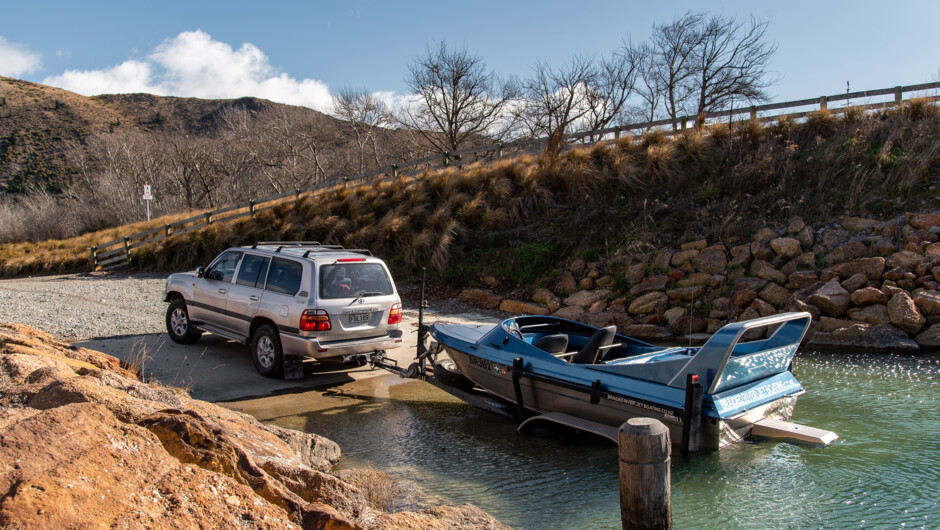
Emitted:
<point x="339" y="284"/>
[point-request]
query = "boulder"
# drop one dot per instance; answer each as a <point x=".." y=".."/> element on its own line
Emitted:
<point x="831" y="299"/>
<point x="696" y="278"/>
<point x="647" y="332"/>
<point x="519" y="307"/>
<point x="662" y="260"/>
<point x="711" y="261"/>
<point x="796" y="224"/>
<point x="883" y="247"/>
<point x="547" y="298"/>
<point x="873" y="314"/>
<point x="597" y="306"/>
<point x="828" y="324"/>
<point x="566" y="284"/>
<point x="650" y="284"/>
<point x="481" y="298"/>
<point x="763" y="308"/>
<point x="766" y="271"/>
<point x="932" y="252"/>
<point x="904" y="314"/>
<point x="834" y="237"/>
<point x="648" y="303"/>
<point x="854" y="282"/>
<point x="928" y="302"/>
<point x="806" y="237"/>
<point x="872" y="268"/>
<point x="599" y="319"/>
<point x="686" y="293"/>
<point x="802" y="279"/>
<point x="869" y="296"/>
<point x="857" y="224"/>
<point x="745" y="291"/>
<point x="775" y="295"/>
<point x="605" y="282"/>
<point x="571" y="312"/>
<point x="636" y="272"/>
<point x="587" y="298"/>
<point x="688" y="325"/>
<point x="694" y="245"/>
<point x="722" y="308"/>
<point x="929" y="339"/>
<point x="682" y="257"/>
<point x="586" y="283"/>
<point x="761" y="251"/>
<point x="923" y="221"/>
<point x="864" y="337"/>
<point x="764" y="235"/>
<point x="740" y="255"/>
<point x="786" y="247"/>
<point x="672" y="315"/>
<point x="904" y="259"/>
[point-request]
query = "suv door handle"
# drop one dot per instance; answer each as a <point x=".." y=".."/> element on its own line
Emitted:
<point x="254" y="298"/>
<point x="222" y="291"/>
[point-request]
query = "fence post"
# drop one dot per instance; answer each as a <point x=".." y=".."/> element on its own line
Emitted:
<point x="166" y="230"/>
<point x="394" y="171"/>
<point x="645" y="451"/>
<point x="445" y="153"/>
<point x="94" y="258"/>
<point x="617" y="132"/>
<point x="251" y="208"/>
<point x="898" y="95"/>
<point x="499" y="150"/>
<point x="208" y="218"/>
<point x="823" y="103"/>
<point x="753" y="112"/>
<point x="127" y="250"/>
<point x="297" y="192"/>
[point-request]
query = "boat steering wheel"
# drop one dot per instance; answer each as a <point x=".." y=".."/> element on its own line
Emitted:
<point x="513" y="329"/>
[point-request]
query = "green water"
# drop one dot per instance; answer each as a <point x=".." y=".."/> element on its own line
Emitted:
<point x="883" y="472"/>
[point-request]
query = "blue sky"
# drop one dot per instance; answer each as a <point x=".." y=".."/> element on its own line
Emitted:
<point x="297" y="52"/>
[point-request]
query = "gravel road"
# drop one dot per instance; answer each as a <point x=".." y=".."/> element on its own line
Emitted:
<point x="78" y="307"/>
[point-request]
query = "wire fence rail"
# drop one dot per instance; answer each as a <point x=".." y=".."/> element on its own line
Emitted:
<point x="119" y="252"/>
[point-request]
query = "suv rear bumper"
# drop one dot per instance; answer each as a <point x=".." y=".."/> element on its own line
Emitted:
<point x="312" y="348"/>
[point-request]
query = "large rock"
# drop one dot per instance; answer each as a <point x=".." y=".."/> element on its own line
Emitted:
<point x="480" y="298"/>
<point x="802" y="279"/>
<point x="872" y="268"/>
<point x="648" y="303"/>
<point x="566" y="284"/>
<point x="548" y="298"/>
<point x="904" y="314"/>
<point x="586" y="299"/>
<point x="873" y="314"/>
<point x="924" y="221"/>
<point x="834" y="237"/>
<point x="682" y="257"/>
<point x="869" y="296"/>
<point x="864" y="337"/>
<point x="904" y="259"/>
<point x="519" y="307"/>
<point x="857" y="224"/>
<point x="686" y="293"/>
<point x="854" y="282"/>
<point x="929" y="339"/>
<point x="722" y="308"/>
<point x="766" y="271"/>
<point x="831" y="299"/>
<point x="745" y="290"/>
<point x="712" y="260"/>
<point x="928" y="302"/>
<point x="775" y="295"/>
<point x="786" y="247"/>
<point x="764" y="235"/>
<point x="650" y="284"/>
<point x="571" y="312"/>
<point x="806" y="236"/>
<point x="647" y="332"/>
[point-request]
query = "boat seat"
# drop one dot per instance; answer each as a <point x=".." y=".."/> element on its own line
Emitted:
<point x="596" y="347"/>
<point x="553" y="344"/>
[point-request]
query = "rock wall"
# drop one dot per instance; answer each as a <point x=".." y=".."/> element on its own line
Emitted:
<point x="86" y="443"/>
<point x="870" y="285"/>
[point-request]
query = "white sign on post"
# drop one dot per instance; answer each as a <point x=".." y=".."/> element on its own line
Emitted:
<point x="147" y="197"/>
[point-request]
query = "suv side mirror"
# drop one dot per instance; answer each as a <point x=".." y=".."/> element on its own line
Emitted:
<point x="200" y="272"/>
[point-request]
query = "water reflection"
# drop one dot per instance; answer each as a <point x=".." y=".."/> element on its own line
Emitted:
<point x="882" y="471"/>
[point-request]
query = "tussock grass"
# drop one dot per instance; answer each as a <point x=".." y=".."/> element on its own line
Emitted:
<point x="628" y="195"/>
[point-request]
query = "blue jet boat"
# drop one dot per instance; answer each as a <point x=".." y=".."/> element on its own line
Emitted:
<point x="593" y="379"/>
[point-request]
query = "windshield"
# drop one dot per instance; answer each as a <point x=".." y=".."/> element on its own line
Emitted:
<point x="348" y="280"/>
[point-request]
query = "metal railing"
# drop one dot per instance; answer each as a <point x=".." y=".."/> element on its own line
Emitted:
<point x="117" y="253"/>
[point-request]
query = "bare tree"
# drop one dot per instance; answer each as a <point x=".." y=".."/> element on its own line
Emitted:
<point x="702" y="61"/>
<point x="614" y="83"/>
<point x="365" y="114"/>
<point x="456" y="98"/>
<point x="731" y="61"/>
<point x="673" y="46"/>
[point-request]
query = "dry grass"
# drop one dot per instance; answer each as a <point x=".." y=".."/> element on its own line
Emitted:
<point x="717" y="183"/>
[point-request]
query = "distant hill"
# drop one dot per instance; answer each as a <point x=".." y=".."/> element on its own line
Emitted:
<point x="44" y="130"/>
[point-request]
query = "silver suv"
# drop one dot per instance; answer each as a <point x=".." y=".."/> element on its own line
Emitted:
<point x="289" y="301"/>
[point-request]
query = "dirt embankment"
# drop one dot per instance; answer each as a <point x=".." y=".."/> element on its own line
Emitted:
<point x="86" y="443"/>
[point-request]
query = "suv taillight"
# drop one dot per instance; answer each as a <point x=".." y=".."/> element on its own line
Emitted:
<point x="394" y="316"/>
<point x="315" y="320"/>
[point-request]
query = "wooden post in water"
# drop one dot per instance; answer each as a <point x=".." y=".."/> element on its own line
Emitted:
<point x="645" y="453"/>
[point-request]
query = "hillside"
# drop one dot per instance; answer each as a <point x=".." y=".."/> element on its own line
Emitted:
<point x="47" y="134"/>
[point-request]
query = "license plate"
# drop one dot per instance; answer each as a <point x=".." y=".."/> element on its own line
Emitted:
<point x="360" y="318"/>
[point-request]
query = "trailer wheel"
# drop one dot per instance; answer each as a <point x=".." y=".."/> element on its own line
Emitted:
<point x="447" y="372"/>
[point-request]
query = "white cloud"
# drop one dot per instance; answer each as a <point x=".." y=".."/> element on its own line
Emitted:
<point x="192" y="64"/>
<point x="16" y="60"/>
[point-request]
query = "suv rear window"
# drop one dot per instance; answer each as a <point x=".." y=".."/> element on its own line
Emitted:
<point x="284" y="276"/>
<point x="344" y="280"/>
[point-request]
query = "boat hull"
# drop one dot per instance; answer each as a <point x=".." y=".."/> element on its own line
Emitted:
<point x="609" y="409"/>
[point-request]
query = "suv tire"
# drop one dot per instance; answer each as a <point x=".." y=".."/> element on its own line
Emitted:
<point x="266" y="351"/>
<point x="178" y="325"/>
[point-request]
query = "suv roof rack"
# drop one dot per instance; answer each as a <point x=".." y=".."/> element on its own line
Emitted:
<point x="289" y="244"/>
<point x="326" y="248"/>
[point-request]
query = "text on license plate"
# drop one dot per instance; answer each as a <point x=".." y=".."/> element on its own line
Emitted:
<point x="359" y="318"/>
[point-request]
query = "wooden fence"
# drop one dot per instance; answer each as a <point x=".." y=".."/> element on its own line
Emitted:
<point x="118" y="253"/>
